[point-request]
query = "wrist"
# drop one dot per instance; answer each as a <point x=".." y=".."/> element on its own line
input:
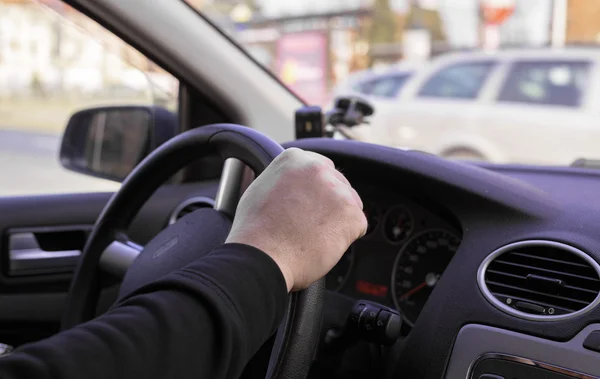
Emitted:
<point x="285" y="270"/>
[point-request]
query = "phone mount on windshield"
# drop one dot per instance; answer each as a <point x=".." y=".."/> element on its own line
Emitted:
<point x="347" y="111"/>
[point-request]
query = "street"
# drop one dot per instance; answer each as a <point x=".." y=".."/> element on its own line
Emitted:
<point x="29" y="165"/>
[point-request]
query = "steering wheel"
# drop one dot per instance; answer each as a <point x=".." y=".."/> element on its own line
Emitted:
<point x="108" y="248"/>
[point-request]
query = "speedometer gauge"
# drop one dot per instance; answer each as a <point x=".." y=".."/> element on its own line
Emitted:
<point x="418" y="267"/>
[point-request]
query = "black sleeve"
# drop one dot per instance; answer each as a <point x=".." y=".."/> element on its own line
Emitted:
<point x="203" y="321"/>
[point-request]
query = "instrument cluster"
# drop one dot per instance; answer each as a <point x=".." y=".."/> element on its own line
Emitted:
<point x="401" y="258"/>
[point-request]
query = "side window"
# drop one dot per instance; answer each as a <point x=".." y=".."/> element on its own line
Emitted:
<point x="458" y="81"/>
<point x="384" y="86"/>
<point x="546" y="83"/>
<point x="55" y="61"/>
<point x="389" y="86"/>
<point x="365" y="87"/>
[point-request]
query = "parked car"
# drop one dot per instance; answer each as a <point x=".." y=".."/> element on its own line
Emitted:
<point x="385" y="83"/>
<point x="474" y="105"/>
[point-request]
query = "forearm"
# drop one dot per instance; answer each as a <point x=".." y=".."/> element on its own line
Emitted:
<point x="204" y="321"/>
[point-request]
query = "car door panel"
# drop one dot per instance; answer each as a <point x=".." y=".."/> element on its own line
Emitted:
<point x="44" y="250"/>
<point x="32" y="296"/>
<point x="46" y="212"/>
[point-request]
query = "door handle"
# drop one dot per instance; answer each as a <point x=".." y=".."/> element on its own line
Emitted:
<point x="26" y="257"/>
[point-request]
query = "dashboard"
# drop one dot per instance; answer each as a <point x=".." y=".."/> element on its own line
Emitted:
<point x="495" y="268"/>
<point x="434" y="227"/>
<point x="401" y="258"/>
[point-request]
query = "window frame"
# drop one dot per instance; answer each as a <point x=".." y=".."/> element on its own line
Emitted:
<point x="194" y="106"/>
<point x="124" y="39"/>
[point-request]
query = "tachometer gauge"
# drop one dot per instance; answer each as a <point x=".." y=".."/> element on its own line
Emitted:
<point x="336" y="278"/>
<point x="398" y="224"/>
<point x="418" y="267"/>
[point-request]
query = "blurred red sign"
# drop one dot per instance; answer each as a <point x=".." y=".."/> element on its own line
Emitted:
<point x="495" y="12"/>
<point x="302" y="65"/>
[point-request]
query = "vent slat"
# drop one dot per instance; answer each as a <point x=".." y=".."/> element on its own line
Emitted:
<point x="579" y="267"/>
<point x="517" y="298"/>
<point x="574" y="288"/>
<point x="544" y="274"/>
<point x="532" y="256"/>
<point x="532" y="292"/>
<point x="533" y="268"/>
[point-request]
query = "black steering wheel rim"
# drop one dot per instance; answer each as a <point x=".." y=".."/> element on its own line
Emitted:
<point x="299" y="332"/>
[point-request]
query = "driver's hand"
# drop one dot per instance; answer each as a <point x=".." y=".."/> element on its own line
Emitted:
<point x="303" y="213"/>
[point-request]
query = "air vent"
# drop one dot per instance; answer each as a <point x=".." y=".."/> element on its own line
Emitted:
<point x="190" y="205"/>
<point x="540" y="280"/>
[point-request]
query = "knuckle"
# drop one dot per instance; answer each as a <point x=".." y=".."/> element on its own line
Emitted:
<point x="321" y="158"/>
<point x="317" y="167"/>
<point x="364" y="222"/>
<point x="326" y="160"/>
<point x="290" y="153"/>
<point x="360" y="225"/>
<point x="293" y="151"/>
<point x="347" y="199"/>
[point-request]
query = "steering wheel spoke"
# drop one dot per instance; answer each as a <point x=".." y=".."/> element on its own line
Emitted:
<point x="119" y="256"/>
<point x="230" y="186"/>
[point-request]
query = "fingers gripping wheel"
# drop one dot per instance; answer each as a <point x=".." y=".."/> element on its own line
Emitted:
<point x="298" y="335"/>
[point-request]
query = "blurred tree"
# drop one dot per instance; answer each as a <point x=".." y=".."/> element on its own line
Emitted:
<point x="425" y="18"/>
<point x="252" y="4"/>
<point x="36" y="86"/>
<point x="383" y="25"/>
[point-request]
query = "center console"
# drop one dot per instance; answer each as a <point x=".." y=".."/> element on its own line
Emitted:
<point x="484" y="352"/>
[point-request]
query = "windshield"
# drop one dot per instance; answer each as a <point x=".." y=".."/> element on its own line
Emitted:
<point x="501" y="81"/>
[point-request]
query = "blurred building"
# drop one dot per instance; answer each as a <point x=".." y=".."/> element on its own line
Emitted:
<point x="461" y="22"/>
<point x="529" y="24"/>
<point x="48" y="47"/>
<point x="583" y="21"/>
<point x="309" y="52"/>
<point x="313" y="44"/>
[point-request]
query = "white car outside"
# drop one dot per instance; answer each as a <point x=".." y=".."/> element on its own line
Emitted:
<point x="538" y="106"/>
<point x="382" y="82"/>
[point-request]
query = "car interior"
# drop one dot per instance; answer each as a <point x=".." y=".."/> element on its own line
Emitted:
<point x="467" y="270"/>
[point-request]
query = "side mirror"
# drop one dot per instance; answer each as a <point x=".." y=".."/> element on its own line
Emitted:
<point x="108" y="142"/>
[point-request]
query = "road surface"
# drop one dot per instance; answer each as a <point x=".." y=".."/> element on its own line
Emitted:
<point x="29" y="165"/>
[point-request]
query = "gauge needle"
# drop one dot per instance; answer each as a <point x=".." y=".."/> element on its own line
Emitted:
<point x="398" y="228"/>
<point x="431" y="280"/>
<point x="414" y="290"/>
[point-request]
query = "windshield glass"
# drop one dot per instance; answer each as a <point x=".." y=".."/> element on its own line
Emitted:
<point x="503" y="81"/>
